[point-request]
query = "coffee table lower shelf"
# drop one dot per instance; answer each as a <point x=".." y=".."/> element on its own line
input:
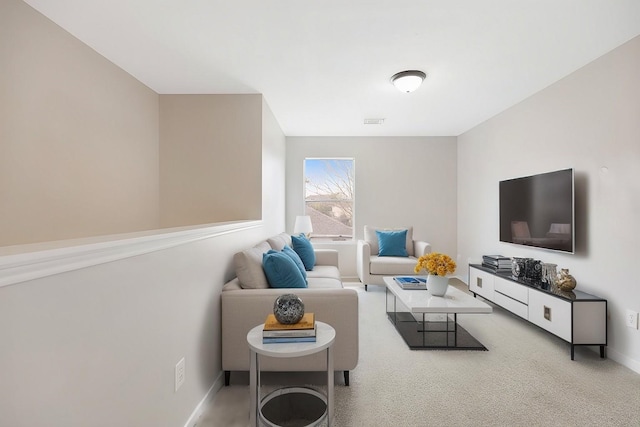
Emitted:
<point x="430" y="335"/>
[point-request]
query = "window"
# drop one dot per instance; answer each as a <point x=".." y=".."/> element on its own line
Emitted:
<point x="328" y="198"/>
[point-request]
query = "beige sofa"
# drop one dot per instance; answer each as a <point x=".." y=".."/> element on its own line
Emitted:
<point x="372" y="268"/>
<point x="248" y="299"/>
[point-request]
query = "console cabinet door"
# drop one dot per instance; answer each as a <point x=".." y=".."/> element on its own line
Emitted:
<point x="550" y="313"/>
<point x="481" y="283"/>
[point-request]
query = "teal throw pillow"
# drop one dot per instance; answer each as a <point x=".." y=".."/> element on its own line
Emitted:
<point x="281" y="271"/>
<point x="305" y="251"/>
<point x="392" y="243"/>
<point x="296" y="258"/>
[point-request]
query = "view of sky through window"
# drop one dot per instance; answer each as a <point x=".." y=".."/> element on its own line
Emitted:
<point x="329" y="185"/>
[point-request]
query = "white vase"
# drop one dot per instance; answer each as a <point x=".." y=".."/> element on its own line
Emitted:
<point x="437" y="285"/>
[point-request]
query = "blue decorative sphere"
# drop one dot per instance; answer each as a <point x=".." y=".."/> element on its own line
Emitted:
<point x="288" y="309"/>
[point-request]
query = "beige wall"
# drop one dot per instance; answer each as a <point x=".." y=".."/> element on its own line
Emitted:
<point x="87" y="150"/>
<point x="78" y="137"/>
<point x="210" y="158"/>
<point x="589" y="121"/>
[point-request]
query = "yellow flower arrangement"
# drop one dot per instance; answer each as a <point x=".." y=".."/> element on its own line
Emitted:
<point x="436" y="263"/>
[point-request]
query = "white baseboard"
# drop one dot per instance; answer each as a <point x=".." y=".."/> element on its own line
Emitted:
<point x="632" y="364"/>
<point x="200" y="408"/>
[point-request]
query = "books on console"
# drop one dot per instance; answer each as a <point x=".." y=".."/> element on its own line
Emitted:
<point x="411" y="282"/>
<point x="497" y="263"/>
<point x="276" y="332"/>
<point x="497" y="260"/>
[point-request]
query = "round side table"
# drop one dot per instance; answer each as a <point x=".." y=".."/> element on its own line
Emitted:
<point x="325" y="336"/>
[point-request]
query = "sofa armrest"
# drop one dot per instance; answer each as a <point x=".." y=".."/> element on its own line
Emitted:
<point x="326" y="257"/>
<point x="246" y="308"/>
<point x="363" y="260"/>
<point x="421" y="248"/>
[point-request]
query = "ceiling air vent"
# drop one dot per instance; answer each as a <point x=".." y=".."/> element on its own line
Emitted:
<point x="373" y="121"/>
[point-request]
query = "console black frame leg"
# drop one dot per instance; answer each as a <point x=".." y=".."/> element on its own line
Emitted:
<point x="227" y="378"/>
<point x="602" y="355"/>
<point x="346" y="378"/>
<point x="572" y="351"/>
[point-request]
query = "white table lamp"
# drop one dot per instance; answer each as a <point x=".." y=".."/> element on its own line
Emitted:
<point x="303" y="225"/>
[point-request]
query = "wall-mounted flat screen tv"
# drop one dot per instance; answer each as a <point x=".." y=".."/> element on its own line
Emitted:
<point x="538" y="211"/>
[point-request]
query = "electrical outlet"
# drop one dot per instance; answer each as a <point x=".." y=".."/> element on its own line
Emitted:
<point x="632" y="319"/>
<point x="180" y="373"/>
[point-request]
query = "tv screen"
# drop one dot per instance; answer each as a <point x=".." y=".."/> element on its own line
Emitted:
<point x="538" y="211"/>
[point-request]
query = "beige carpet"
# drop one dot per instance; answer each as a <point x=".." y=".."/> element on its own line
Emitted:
<point x="525" y="379"/>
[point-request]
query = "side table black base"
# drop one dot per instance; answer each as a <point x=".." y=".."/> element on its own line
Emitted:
<point x="293" y="407"/>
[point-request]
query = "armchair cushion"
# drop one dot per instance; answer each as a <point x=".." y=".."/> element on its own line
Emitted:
<point x="371" y="237"/>
<point x="392" y="243"/>
<point x="392" y="266"/>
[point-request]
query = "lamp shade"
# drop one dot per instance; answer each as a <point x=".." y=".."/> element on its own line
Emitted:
<point x="302" y="225"/>
<point x="408" y="81"/>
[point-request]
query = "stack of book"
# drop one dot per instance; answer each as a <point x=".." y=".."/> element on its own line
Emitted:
<point x="276" y="332"/>
<point x="497" y="263"/>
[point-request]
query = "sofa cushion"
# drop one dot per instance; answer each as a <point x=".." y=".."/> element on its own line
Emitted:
<point x="371" y="237"/>
<point x="282" y="271"/>
<point x="324" y="283"/>
<point x="393" y="266"/>
<point x="280" y="241"/>
<point x="296" y="258"/>
<point x="303" y="247"/>
<point x="392" y="243"/>
<point x="248" y="266"/>
<point x="326" y="271"/>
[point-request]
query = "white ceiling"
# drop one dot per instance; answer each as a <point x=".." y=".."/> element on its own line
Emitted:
<point x="324" y="65"/>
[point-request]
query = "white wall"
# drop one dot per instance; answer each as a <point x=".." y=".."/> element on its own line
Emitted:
<point x="589" y="121"/>
<point x="399" y="181"/>
<point x="97" y="346"/>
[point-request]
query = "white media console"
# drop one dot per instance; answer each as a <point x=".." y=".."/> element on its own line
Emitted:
<point x="576" y="317"/>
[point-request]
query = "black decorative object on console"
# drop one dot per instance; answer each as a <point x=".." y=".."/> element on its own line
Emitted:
<point x="533" y="270"/>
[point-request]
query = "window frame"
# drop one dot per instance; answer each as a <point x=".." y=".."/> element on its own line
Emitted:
<point x="330" y="238"/>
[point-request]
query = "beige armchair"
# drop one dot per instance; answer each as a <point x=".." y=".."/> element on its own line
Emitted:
<point x="372" y="268"/>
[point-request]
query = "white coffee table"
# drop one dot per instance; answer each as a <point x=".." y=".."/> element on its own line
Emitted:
<point x="408" y="311"/>
<point x="325" y="337"/>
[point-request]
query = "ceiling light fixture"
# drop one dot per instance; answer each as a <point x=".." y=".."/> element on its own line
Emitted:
<point x="408" y="81"/>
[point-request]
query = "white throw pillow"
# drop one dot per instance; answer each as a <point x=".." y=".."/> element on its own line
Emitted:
<point x="249" y="269"/>
<point x="280" y="241"/>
